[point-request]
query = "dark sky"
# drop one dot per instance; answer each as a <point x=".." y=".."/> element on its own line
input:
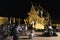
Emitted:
<point x="20" y="8"/>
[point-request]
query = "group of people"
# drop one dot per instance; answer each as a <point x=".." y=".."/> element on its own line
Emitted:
<point x="3" y="32"/>
<point x="16" y="30"/>
<point x="50" y="31"/>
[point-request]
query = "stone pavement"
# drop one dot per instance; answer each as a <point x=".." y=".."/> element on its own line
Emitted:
<point x="37" y="37"/>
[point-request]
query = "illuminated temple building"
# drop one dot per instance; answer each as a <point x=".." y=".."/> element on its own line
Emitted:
<point x="35" y="16"/>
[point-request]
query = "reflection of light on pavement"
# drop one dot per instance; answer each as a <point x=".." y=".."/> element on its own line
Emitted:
<point x="39" y="26"/>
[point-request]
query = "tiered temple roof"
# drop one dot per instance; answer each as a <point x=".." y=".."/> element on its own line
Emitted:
<point x="34" y="16"/>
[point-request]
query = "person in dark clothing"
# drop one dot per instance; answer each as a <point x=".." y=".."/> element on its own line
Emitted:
<point x="45" y="33"/>
<point x="50" y="30"/>
<point x="4" y="32"/>
<point x="0" y="32"/>
<point x="54" y="30"/>
<point x="14" y="32"/>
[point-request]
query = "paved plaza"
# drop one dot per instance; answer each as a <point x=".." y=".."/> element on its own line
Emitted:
<point x="37" y="37"/>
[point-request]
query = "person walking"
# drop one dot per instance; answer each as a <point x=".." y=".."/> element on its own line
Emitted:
<point x="32" y="34"/>
<point x="25" y="27"/>
<point x="14" y="32"/>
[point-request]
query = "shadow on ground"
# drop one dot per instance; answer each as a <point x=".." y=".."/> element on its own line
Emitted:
<point x="46" y="35"/>
<point x="24" y="38"/>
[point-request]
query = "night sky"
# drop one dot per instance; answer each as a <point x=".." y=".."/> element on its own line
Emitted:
<point x="20" y="8"/>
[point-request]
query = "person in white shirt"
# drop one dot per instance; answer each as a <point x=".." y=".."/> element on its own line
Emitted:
<point x="50" y="30"/>
<point x="19" y="29"/>
<point x="32" y="34"/>
<point x="25" y="29"/>
<point x="50" y="27"/>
